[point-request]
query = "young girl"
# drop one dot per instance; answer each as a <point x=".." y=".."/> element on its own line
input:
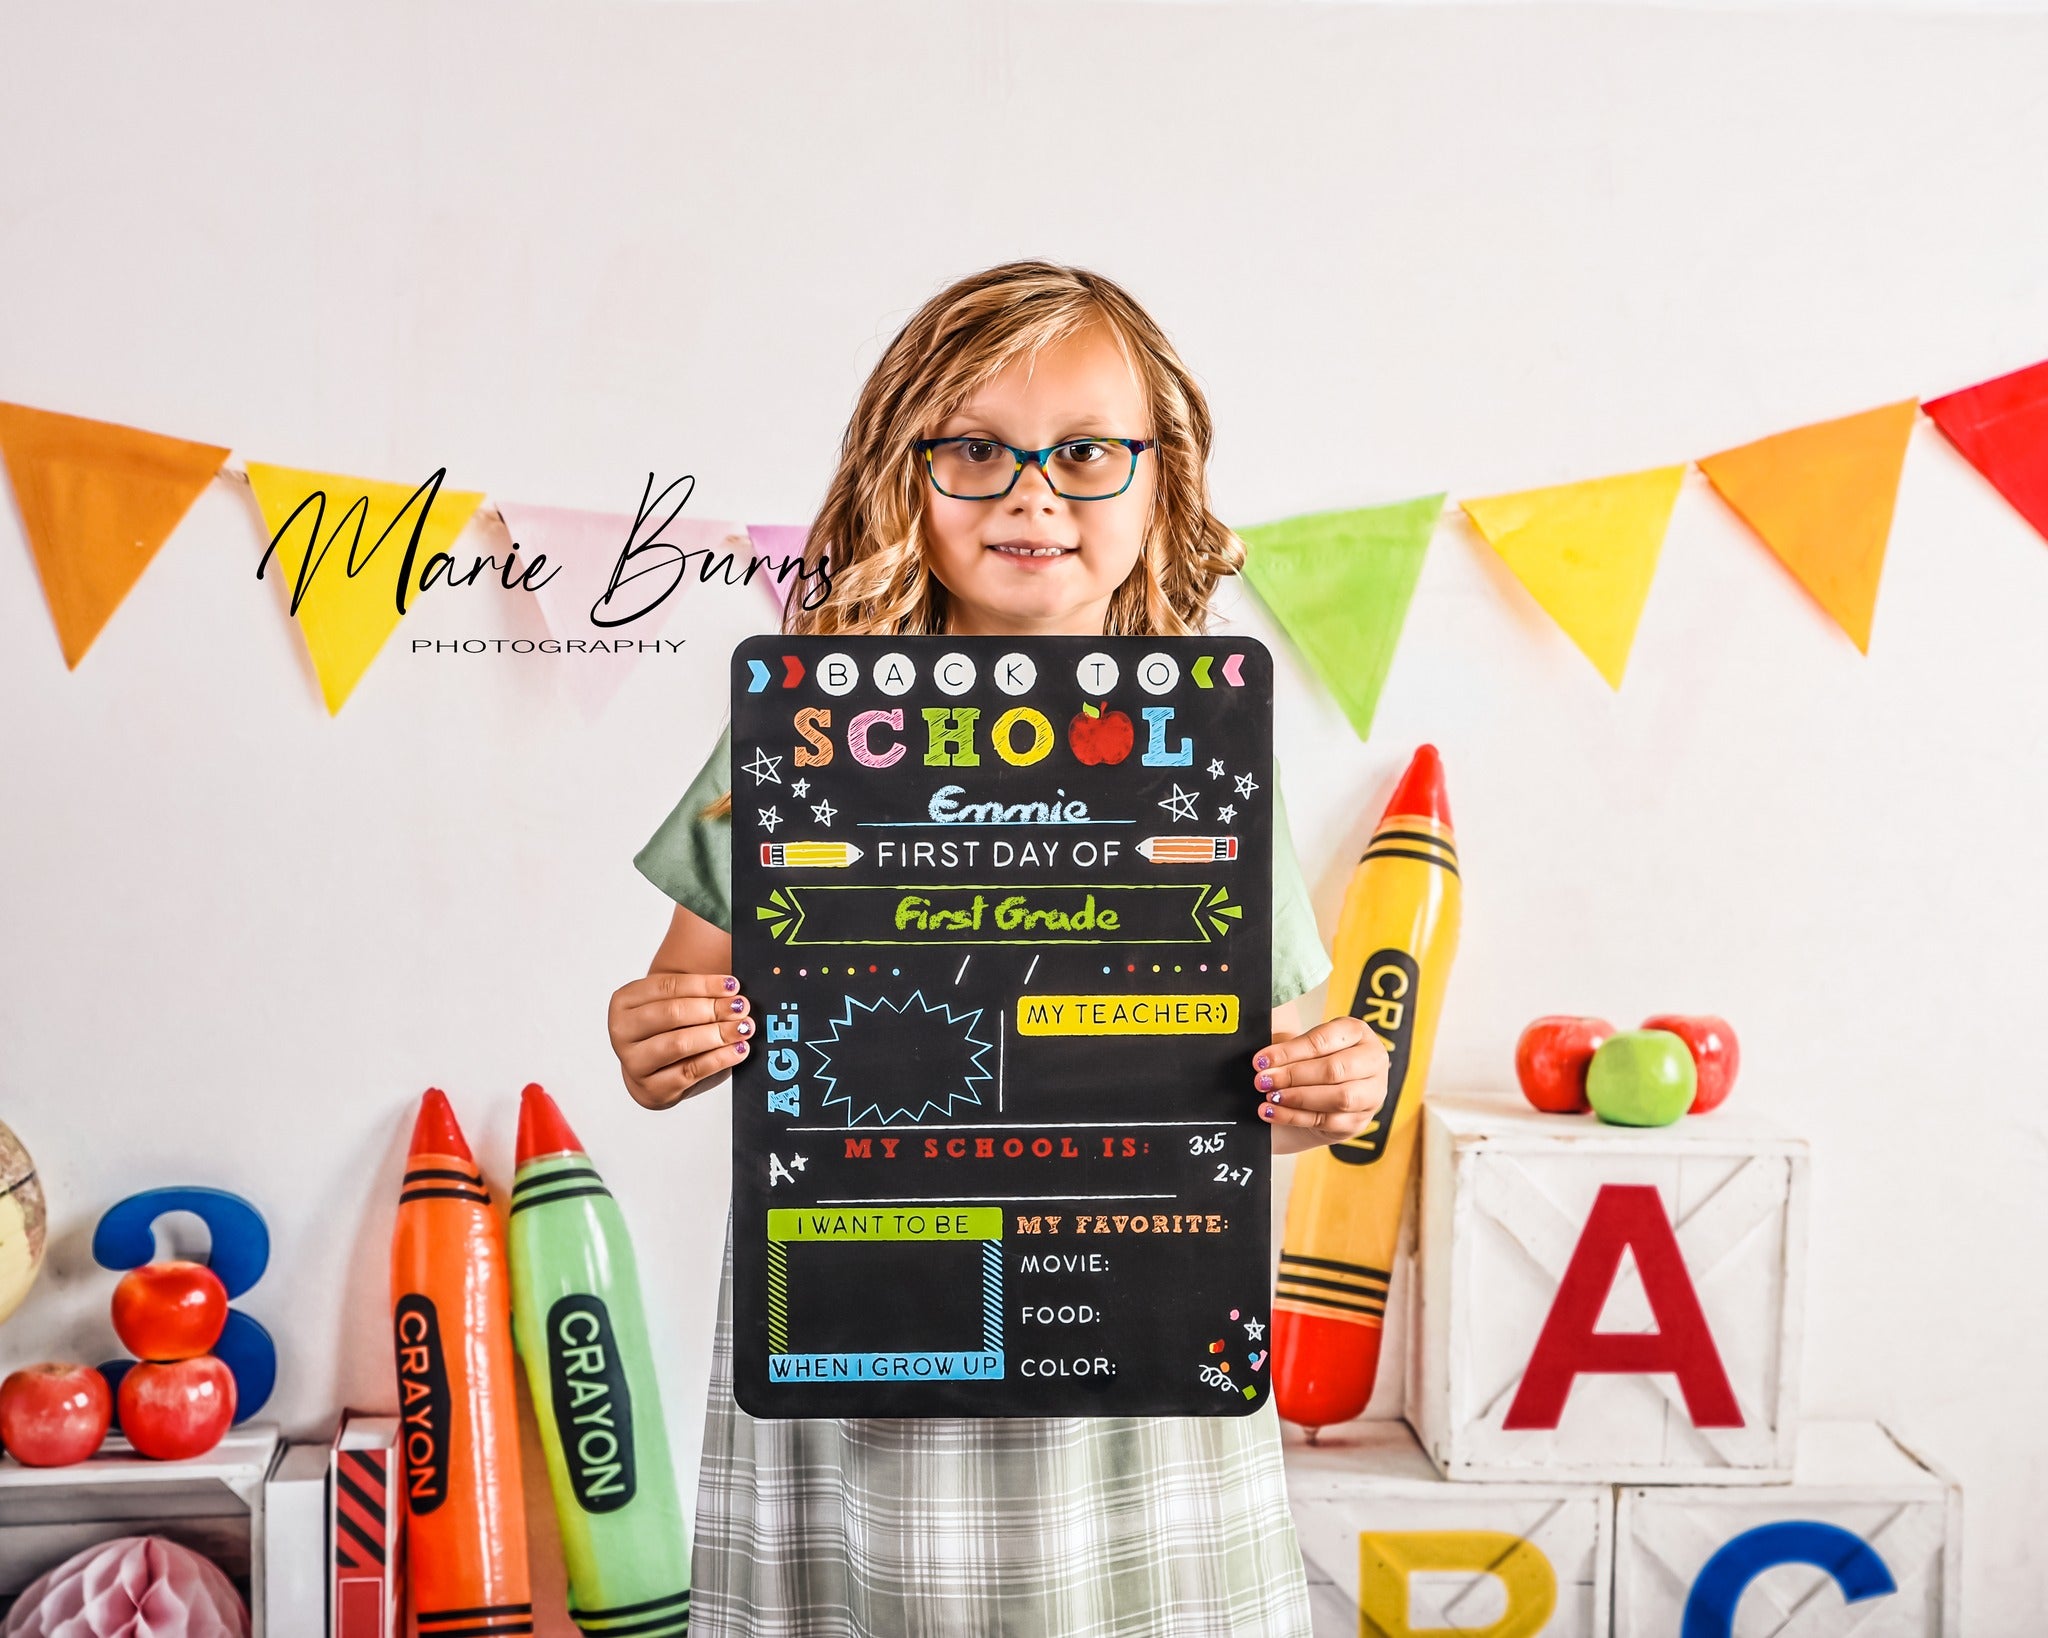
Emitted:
<point x="1125" y="1527"/>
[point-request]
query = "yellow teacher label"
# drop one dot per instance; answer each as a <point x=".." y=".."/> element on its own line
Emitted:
<point x="1127" y="1015"/>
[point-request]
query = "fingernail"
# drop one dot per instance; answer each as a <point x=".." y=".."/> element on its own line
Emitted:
<point x="746" y="1026"/>
<point x="1262" y="1062"/>
<point x="732" y="983"/>
<point x="1265" y="1083"/>
<point x="739" y="1006"/>
<point x="1272" y="1097"/>
<point x="741" y="1049"/>
<point x="1265" y="1111"/>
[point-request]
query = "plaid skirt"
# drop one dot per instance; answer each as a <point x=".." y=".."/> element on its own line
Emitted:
<point x="966" y="1527"/>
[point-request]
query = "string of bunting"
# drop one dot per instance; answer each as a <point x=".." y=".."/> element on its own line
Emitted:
<point x="98" y="500"/>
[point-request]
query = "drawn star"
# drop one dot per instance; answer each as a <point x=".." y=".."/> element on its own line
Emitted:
<point x="1216" y="767"/>
<point x="1181" y="804"/>
<point x="822" y="812"/>
<point x="1246" y="785"/>
<point x="1252" y="1328"/>
<point x="766" y="769"/>
<point x="801" y="788"/>
<point x="796" y="1164"/>
<point x="1225" y="814"/>
<point x="769" y="820"/>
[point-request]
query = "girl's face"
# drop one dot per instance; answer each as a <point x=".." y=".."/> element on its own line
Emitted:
<point x="1032" y="563"/>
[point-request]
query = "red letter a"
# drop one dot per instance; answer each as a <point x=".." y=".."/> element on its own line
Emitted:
<point x="1631" y="1217"/>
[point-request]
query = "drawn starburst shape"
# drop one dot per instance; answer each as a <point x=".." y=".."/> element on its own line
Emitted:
<point x="823" y="812"/>
<point x="1226" y="814"/>
<point x="890" y="1060"/>
<point x="1246" y="785"/>
<point x="1216" y="769"/>
<point x="769" y="820"/>
<point x="766" y="769"/>
<point x="1180" y="803"/>
<point x="801" y="788"/>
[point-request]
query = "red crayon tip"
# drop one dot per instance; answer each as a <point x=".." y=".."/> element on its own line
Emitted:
<point x="1323" y="1368"/>
<point x="1421" y="792"/>
<point x="435" y="1132"/>
<point x="542" y="1131"/>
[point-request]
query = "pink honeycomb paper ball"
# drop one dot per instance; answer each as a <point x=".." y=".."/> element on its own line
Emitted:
<point x="132" y="1587"/>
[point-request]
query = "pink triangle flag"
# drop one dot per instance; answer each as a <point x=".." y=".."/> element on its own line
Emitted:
<point x="582" y="551"/>
<point x="778" y="543"/>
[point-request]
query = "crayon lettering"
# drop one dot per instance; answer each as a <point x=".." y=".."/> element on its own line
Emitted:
<point x="1063" y="1262"/>
<point x="593" y="1403"/>
<point x="783" y="1065"/>
<point x="816" y="750"/>
<point x="423" y="1401"/>
<point x="915" y="910"/>
<point x="946" y="808"/>
<point x="780" y="1028"/>
<point x="1156" y="754"/>
<point x="858" y="730"/>
<point x="949" y="736"/>
<point x="1004" y="735"/>
<point x="1385" y="983"/>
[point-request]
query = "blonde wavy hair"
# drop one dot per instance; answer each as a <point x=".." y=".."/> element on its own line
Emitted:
<point x="869" y="533"/>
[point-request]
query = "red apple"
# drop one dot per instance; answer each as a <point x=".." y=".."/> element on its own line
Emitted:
<point x="171" y="1310"/>
<point x="54" y="1415"/>
<point x="177" y="1410"/>
<point x="1551" y="1059"/>
<point x="1097" y="735"/>
<point x="1715" y="1052"/>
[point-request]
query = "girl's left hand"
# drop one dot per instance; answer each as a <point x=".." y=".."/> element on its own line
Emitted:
<point x="1323" y="1086"/>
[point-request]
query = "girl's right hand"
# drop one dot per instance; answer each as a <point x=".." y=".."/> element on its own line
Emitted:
<point x="676" y="1033"/>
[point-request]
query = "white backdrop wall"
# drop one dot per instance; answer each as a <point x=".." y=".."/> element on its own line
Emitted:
<point x="554" y="247"/>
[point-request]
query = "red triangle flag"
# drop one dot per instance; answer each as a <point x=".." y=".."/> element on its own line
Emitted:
<point x="2001" y="428"/>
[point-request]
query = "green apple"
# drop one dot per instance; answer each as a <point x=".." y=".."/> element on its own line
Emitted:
<point x="1642" y="1077"/>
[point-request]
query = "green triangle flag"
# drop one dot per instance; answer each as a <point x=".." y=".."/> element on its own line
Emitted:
<point x="1339" y="584"/>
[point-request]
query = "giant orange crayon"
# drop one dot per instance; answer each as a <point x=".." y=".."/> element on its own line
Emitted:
<point x="1396" y="936"/>
<point x="451" y="1316"/>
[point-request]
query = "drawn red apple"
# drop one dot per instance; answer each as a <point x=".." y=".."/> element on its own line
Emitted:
<point x="1714" y="1049"/>
<point x="1097" y="735"/>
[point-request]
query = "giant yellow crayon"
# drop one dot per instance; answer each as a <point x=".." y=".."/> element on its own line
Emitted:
<point x="1396" y="936"/>
<point x="451" y="1318"/>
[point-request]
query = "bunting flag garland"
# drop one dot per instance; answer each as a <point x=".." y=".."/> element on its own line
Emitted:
<point x="97" y="500"/>
<point x="341" y="545"/>
<point x="582" y="551"/>
<point x="1821" y="498"/>
<point x="1339" y="583"/>
<point x="779" y="542"/>
<point x="2001" y="428"/>
<point x="1587" y="552"/>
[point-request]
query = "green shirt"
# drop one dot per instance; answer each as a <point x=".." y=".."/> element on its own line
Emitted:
<point x="690" y="859"/>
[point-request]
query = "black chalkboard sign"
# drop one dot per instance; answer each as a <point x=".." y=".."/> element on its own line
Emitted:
<point x="1004" y="911"/>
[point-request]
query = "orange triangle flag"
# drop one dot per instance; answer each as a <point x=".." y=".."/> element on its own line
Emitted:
<point x="1821" y="498"/>
<point x="97" y="500"/>
<point x="343" y="544"/>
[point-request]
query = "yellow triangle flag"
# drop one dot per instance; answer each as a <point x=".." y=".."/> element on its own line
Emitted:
<point x="1587" y="552"/>
<point x="1821" y="498"/>
<point x="97" y="500"/>
<point x="344" y="545"/>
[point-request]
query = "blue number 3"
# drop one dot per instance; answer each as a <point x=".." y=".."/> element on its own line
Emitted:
<point x="126" y="1238"/>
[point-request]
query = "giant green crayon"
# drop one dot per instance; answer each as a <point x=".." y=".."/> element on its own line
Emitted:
<point x="577" y="1318"/>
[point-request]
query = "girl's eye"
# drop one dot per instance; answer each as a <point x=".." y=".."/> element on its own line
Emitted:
<point x="977" y="449"/>
<point x="1083" y="453"/>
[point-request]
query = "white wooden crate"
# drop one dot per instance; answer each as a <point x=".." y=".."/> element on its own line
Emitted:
<point x="1849" y="1476"/>
<point x="1366" y="1488"/>
<point x="1507" y="1192"/>
<point x="212" y="1504"/>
